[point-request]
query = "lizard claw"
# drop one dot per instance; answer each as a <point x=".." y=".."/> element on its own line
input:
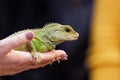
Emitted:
<point x="58" y="59"/>
<point x="37" y="57"/>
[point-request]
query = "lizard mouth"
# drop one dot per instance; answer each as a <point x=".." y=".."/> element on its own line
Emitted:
<point x="73" y="37"/>
<point x="76" y="36"/>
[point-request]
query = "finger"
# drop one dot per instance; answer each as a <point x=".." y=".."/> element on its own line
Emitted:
<point x="12" y="42"/>
<point x="53" y="55"/>
<point x="25" y="62"/>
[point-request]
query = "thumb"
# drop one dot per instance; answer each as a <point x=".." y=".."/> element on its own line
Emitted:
<point x="12" y="42"/>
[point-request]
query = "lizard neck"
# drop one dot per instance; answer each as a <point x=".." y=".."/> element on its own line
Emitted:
<point x="46" y="40"/>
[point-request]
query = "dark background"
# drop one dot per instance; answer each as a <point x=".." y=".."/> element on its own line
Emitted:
<point x="17" y="15"/>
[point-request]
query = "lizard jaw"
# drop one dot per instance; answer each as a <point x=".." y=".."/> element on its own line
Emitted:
<point x="72" y="37"/>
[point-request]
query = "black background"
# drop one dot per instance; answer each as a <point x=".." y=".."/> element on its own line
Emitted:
<point x="17" y="15"/>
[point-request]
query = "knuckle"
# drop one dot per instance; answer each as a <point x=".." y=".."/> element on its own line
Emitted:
<point x="20" y="41"/>
<point x="3" y="48"/>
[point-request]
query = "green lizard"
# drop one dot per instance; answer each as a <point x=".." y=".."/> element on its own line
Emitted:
<point x="47" y="38"/>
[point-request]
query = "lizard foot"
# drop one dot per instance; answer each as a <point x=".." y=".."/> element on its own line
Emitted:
<point x="57" y="59"/>
<point x="37" y="58"/>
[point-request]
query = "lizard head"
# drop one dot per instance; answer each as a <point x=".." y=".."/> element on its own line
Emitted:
<point x="60" y="33"/>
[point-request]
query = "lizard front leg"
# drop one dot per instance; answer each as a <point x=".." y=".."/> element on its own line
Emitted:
<point x="34" y="53"/>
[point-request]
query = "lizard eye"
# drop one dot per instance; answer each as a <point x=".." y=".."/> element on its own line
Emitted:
<point x="67" y="30"/>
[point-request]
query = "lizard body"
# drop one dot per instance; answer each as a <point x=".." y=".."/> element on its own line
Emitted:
<point x="47" y="38"/>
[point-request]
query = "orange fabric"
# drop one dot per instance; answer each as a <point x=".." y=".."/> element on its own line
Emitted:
<point x="104" y="58"/>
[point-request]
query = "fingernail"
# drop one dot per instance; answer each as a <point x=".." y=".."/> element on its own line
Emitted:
<point x="65" y="58"/>
<point x="64" y="55"/>
<point x="29" y="35"/>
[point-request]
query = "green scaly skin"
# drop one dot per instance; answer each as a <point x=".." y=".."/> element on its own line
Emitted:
<point x="47" y="38"/>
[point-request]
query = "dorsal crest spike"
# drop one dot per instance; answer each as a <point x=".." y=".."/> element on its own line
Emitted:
<point x="48" y="25"/>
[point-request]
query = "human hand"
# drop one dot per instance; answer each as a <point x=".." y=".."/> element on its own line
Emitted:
<point x="12" y="61"/>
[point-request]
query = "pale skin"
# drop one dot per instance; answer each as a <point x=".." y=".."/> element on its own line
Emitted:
<point x="13" y="62"/>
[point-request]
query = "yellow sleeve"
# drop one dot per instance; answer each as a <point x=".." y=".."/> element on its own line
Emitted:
<point x="104" y="58"/>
